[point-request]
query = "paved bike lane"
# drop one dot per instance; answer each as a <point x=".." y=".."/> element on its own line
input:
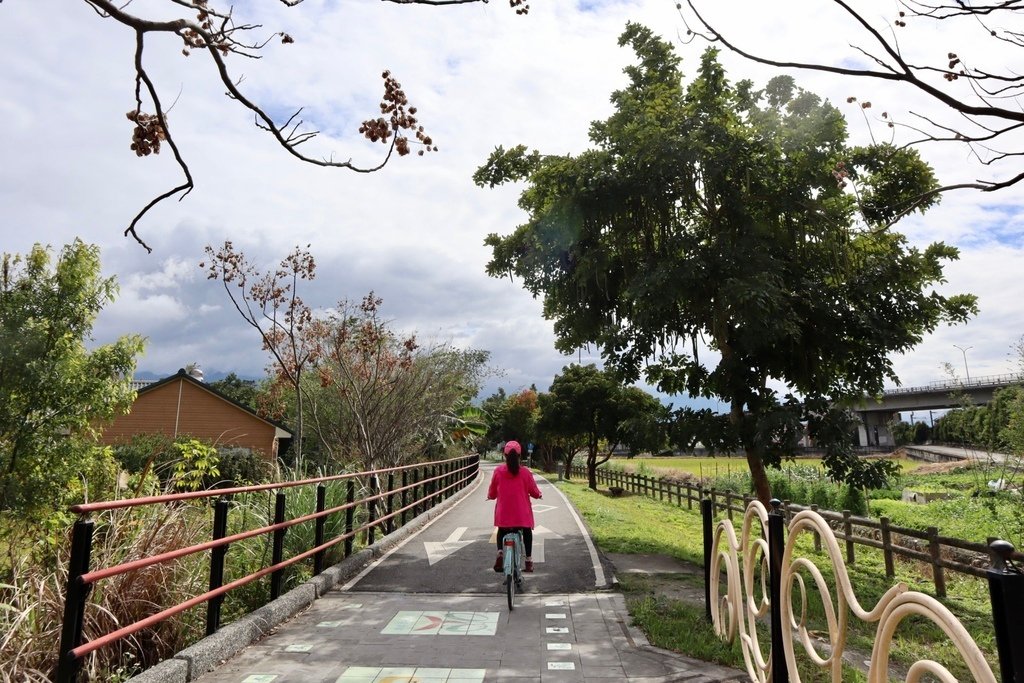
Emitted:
<point x="455" y="553"/>
<point x="432" y="610"/>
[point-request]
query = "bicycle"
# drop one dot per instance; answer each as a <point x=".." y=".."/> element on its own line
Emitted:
<point x="513" y="563"/>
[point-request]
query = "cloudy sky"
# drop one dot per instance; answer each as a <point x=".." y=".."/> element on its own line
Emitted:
<point x="480" y="76"/>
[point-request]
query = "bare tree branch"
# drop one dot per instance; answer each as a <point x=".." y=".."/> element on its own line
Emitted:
<point x="982" y="109"/>
<point x="215" y="31"/>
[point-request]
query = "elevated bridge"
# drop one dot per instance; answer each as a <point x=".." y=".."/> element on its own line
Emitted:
<point x="876" y="414"/>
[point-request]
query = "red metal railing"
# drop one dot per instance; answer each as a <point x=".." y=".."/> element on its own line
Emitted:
<point x="431" y="483"/>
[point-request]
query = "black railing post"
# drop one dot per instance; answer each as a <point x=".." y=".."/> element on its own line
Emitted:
<point x="776" y="547"/>
<point x="318" y="533"/>
<point x="405" y="494"/>
<point x="220" y="530"/>
<point x="350" y="512"/>
<point x="708" y="522"/>
<point x="278" y="555"/>
<point x="371" y="510"/>
<point x="391" y="502"/>
<point x="1006" y="590"/>
<point x="433" y="487"/>
<point x="415" y="492"/>
<point x="426" y="491"/>
<point x="75" y="594"/>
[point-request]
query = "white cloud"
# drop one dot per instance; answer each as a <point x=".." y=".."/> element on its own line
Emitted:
<point x="481" y="76"/>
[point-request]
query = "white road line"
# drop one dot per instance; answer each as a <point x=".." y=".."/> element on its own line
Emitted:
<point x="599" y="581"/>
<point x="373" y="565"/>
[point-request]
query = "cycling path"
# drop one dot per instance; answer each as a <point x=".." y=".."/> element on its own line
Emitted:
<point x="432" y="610"/>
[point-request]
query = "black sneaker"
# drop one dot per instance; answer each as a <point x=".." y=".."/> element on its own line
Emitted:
<point x="499" y="563"/>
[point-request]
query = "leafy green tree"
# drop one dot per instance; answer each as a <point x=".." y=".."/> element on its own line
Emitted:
<point x="520" y="417"/>
<point x="243" y="391"/>
<point x="738" y="217"/>
<point x="921" y="432"/>
<point x="987" y="426"/>
<point x="1012" y="433"/>
<point x="511" y="416"/>
<point x="54" y="391"/>
<point x="586" y="407"/>
<point x="195" y="462"/>
<point x="643" y="422"/>
<point x="968" y="111"/>
<point x="494" y="408"/>
<point x="902" y="432"/>
<point x="462" y="423"/>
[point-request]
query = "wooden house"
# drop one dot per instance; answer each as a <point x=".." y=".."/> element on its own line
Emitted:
<point x="183" y="405"/>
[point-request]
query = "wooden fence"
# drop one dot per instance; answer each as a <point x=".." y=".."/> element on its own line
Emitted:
<point x="939" y="552"/>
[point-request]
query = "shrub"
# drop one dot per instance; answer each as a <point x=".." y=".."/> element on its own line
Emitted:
<point x="239" y="467"/>
<point x="853" y="500"/>
<point x="144" y="452"/>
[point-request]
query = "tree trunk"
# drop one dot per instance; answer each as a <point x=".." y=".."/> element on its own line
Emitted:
<point x="759" y="476"/>
<point x="592" y="471"/>
<point x="757" y="472"/>
<point x="298" y="424"/>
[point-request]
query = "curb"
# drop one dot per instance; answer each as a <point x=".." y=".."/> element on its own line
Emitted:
<point x="208" y="653"/>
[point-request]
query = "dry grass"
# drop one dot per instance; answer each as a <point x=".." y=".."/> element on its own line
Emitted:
<point x="32" y="604"/>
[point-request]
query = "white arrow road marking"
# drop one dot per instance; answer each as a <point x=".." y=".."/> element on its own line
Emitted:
<point x="541" y="530"/>
<point x="540" y="509"/>
<point x="538" y="541"/>
<point x="438" y="551"/>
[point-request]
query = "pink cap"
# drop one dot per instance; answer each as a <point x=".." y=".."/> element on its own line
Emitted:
<point x="513" y="446"/>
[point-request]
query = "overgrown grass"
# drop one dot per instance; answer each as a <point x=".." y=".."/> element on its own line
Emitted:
<point x="33" y="580"/>
<point x="975" y="513"/>
<point x="32" y="604"/>
<point x="635" y="524"/>
<point x="715" y="467"/>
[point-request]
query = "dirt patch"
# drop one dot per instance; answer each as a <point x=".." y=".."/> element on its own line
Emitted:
<point x="681" y="587"/>
<point x="943" y="467"/>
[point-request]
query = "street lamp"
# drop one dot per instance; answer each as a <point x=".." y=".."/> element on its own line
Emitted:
<point x="963" y="350"/>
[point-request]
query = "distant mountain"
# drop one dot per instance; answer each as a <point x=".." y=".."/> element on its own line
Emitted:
<point x="211" y="375"/>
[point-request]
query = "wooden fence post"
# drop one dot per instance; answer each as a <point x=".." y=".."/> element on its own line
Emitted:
<point x="848" y="532"/>
<point x="938" y="573"/>
<point x="890" y="569"/>
<point x="707" y="516"/>
<point x="817" y="536"/>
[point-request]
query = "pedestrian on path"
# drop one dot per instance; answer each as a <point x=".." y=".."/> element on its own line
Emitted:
<point x="512" y="486"/>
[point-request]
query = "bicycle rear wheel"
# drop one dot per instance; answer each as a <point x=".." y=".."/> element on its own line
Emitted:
<point x="510" y="590"/>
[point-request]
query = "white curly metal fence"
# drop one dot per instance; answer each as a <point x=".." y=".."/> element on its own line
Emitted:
<point x="750" y="587"/>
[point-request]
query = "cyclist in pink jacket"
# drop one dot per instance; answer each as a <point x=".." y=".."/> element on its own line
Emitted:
<point x="512" y="485"/>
